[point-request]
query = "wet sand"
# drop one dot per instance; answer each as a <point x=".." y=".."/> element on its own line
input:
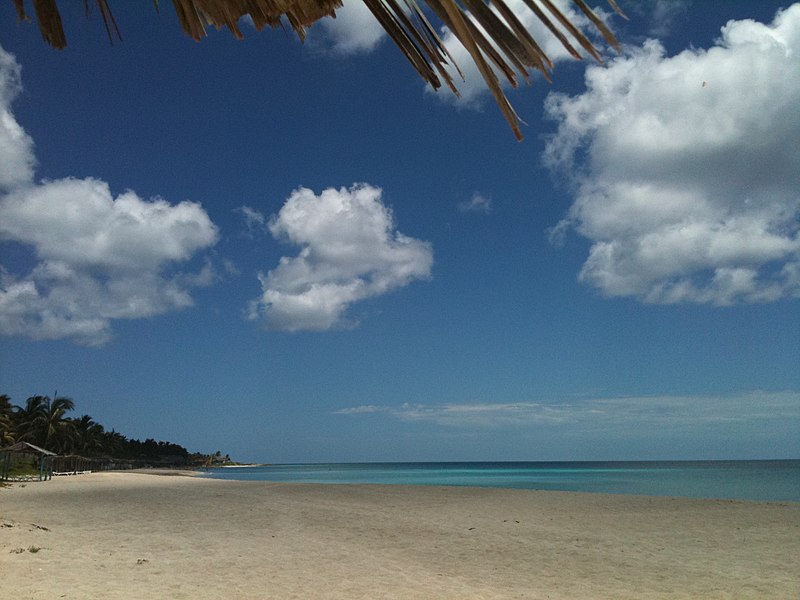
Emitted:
<point x="134" y="535"/>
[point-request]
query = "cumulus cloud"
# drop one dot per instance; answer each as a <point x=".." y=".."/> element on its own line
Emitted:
<point x="16" y="146"/>
<point x="478" y="203"/>
<point x="349" y="251"/>
<point x="353" y="30"/>
<point x="685" y="168"/>
<point x="97" y="257"/>
<point x="604" y="414"/>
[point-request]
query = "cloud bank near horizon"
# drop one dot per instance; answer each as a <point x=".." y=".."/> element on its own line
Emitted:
<point x="686" y="181"/>
<point x="96" y="257"/>
<point x="756" y="424"/>
<point x="607" y="415"/>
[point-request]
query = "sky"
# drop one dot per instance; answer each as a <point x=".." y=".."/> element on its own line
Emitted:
<point x="295" y="252"/>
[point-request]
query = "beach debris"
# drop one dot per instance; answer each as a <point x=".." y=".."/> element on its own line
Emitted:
<point x="142" y="561"/>
<point x="35" y="526"/>
<point x="31" y="549"/>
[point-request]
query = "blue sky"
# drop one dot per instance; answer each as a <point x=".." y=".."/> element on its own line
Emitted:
<point x="295" y="252"/>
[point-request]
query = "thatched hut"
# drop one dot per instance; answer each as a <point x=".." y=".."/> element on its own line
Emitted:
<point x="23" y="460"/>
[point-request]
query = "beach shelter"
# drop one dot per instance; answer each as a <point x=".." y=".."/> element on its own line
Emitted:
<point x="21" y="452"/>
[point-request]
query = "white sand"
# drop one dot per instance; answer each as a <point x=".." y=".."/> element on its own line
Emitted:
<point x="129" y="535"/>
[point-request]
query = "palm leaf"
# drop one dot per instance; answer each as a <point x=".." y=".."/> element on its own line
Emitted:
<point x="488" y="30"/>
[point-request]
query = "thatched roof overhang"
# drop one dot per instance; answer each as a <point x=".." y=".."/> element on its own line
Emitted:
<point x="489" y="30"/>
<point x="27" y="448"/>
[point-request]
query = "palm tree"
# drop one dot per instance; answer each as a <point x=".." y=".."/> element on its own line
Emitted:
<point x="115" y="444"/>
<point x="42" y="422"/>
<point x="489" y="30"/>
<point x="58" y="429"/>
<point x="28" y="418"/>
<point x="7" y="430"/>
<point x="88" y="438"/>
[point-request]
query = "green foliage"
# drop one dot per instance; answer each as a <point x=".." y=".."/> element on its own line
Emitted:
<point x="45" y="422"/>
<point x="6" y="423"/>
<point x="22" y="469"/>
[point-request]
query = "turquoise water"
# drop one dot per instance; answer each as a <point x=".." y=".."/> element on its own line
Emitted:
<point x="775" y="480"/>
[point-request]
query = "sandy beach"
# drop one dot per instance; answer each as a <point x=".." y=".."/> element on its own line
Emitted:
<point x="134" y="535"/>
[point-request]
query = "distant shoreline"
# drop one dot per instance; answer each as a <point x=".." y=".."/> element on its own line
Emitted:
<point x="236" y="466"/>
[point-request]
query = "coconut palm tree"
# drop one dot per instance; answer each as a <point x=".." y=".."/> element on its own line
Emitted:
<point x="58" y="429"/>
<point x="88" y="436"/>
<point x="27" y="419"/>
<point x="42" y="421"/>
<point x="490" y="31"/>
<point x="115" y="444"/>
<point x="7" y="430"/>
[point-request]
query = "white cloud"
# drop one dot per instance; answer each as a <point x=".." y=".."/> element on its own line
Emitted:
<point x="360" y="410"/>
<point x="255" y="221"/>
<point x="16" y="146"/>
<point x="664" y="13"/>
<point x="478" y="203"/>
<point x="604" y="414"/>
<point x="353" y="30"/>
<point x="349" y="251"/>
<point x="98" y="258"/>
<point x="658" y="16"/>
<point x="689" y="186"/>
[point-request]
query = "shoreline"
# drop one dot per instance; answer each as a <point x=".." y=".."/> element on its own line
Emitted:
<point x="775" y="480"/>
<point x="200" y="473"/>
<point x="237" y="466"/>
<point x="122" y="535"/>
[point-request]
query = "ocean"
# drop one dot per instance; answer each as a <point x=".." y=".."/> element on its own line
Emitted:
<point x="763" y="480"/>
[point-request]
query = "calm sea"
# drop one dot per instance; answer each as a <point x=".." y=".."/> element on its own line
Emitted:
<point x="773" y="480"/>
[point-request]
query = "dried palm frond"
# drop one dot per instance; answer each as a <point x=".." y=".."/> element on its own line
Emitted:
<point x="488" y="29"/>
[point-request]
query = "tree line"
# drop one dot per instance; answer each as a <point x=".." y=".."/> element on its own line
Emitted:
<point x="44" y="422"/>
